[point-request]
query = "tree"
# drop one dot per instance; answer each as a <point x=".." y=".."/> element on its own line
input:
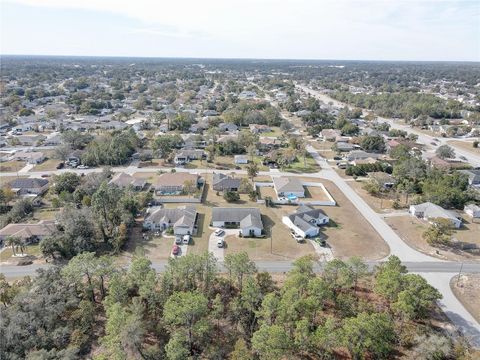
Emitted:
<point x="186" y="311"/>
<point x="252" y="170"/>
<point x="231" y="196"/>
<point x="372" y="333"/>
<point x="439" y="233"/>
<point x="445" y="152"/>
<point x="239" y="265"/>
<point x="374" y="143"/>
<point x="388" y="278"/>
<point x="6" y="195"/>
<point x="271" y="342"/>
<point x="12" y="241"/>
<point x="417" y="297"/>
<point x="166" y="144"/>
<point x="66" y="182"/>
<point x="240" y="351"/>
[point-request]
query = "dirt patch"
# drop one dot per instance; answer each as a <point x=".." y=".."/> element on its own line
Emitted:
<point x="47" y="165"/>
<point x="10" y="166"/>
<point x="315" y="193"/>
<point x="467" y="290"/>
<point x="465" y="145"/>
<point x="410" y="229"/>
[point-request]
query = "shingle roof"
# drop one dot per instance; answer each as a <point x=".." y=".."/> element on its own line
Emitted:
<point x="181" y="216"/>
<point x="288" y="184"/>
<point x="42" y="228"/>
<point x="28" y="183"/>
<point x="245" y="216"/>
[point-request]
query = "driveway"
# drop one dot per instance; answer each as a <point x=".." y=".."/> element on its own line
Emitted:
<point x="219" y="253"/>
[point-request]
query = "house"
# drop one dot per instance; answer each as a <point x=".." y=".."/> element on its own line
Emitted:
<point x="306" y="220"/>
<point x="472" y="210"/>
<point x="248" y="220"/>
<point x="247" y="95"/>
<point x="384" y="180"/>
<point x="258" y="129"/>
<point x="429" y="212"/>
<point x="27" y="186"/>
<point x="330" y="134"/>
<point x="31" y="233"/>
<point x="174" y="183"/>
<point x="288" y="186"/>
<point x="473" y="176"/>
<point x="185" y="156"/>
<point x="227" y="127"/>
<point x="361" y="155"/>
<point x="29" y="156"/>
<point x="182" y="219"/>
<point x="30" y="140"/>
<point x="343" y="146"/>
<point x="241" y="159"/>
<point x="223" y="182"/>
<point x="123" y="180"/>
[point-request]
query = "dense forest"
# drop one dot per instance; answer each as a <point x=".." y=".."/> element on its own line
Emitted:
<point x="90" y="309"/>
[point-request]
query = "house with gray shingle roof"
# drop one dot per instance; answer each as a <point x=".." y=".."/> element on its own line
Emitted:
<point x="306" y="220"/>
<point x="248" y="220"/>
<point x="29" y="232"/>
<point x="182" y="219"/>
<point x="429" y="212"/>
<point x="123" y="180"/>
<point x="288" y="186"/>
<point x="223" y="182"/>
<point x="27" y="186"/>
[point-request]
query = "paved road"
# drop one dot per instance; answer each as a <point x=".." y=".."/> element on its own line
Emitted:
<point x="447" y="267"/>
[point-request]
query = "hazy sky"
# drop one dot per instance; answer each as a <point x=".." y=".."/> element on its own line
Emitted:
<point x="289" y="29"/>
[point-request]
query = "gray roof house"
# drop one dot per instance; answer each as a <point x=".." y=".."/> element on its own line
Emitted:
<point x="473" y="176"/>
<point x="429" y="211"/>
<point x="182" y="219"/>
<point x="223" y="182"/>
<point x="305" y="221"/>
<point x="285" y="186"/>
<point x="123" y="180"/>
<point x="248" y="220"/>
<point x="27" y="186"/>
<point x="472" y="210"/>
<point x="185" y="156"/>
<point x="227" y="127"/>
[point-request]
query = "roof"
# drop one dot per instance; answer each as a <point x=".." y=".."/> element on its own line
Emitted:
<point x="288" y="184"/>
<point x="431" y="210"/>
<point x="247" y="217"/>
<point x="183" y="216"/>
<point x="123" y="180"/>
<point x="175" y="179"/>
<point x="28" y="183"/>
<point x="473" y="175"/>
<point x="25" y="231"/>
<point x="225" y="181"/>
<point x="303" y="215"/>
<point x="472" y="207"/>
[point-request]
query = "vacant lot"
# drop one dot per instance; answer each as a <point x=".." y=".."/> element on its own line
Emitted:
<point x="349" y="234"/>
<point x="265" y="191"/>
<point x="465" y="145"/>
<point x="44" y="214"/>
<point x="50" y="164"/>
<point x="324" y="148"/>
<point x="10" y="166"/>
<point x="383" y="203"/>
<point x="315" y="193"/>
<point x="410" y="229"/>
<point x="301" y="166"/>
<point x="467" y="290"/>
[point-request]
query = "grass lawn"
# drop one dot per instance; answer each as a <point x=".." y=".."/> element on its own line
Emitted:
<point x="7" y="253"/>
<point x="44" y="214"/>
<point x="410" y="229"/>
<point x="379" y="204"/>
<point x="10" y="166"/>
<point x="299" y="166"/>
<point x="50" y="164"/>
<point x="349" y="234"/>
<point x="467" y="291"/>
<point x="465" y="145"/>
<point x="276" y="132"/>
<point x="224" y="162"/>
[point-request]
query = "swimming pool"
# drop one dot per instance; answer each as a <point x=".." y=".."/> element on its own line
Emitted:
<point x="292" y="197"/>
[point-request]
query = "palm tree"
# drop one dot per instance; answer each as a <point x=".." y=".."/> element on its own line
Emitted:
<point x="252" y="170"/>
<point x="13" y="241"/>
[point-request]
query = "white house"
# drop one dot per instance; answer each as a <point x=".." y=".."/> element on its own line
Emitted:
<point x="288" y="186"/>
<point x="241" y="159"/>
<point x="305" y="221"/>
<point x="429" y="212"/>
<point x="248" y="220"/>
<point x="472" y="210"/>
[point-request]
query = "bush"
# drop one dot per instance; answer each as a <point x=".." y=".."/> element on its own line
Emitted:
<point x="231" y="196"/>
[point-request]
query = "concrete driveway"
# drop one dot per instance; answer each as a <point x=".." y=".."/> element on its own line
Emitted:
<point x="212" y="243"/>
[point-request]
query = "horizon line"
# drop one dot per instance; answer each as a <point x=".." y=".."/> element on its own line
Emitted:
<point x="231" y="58"/>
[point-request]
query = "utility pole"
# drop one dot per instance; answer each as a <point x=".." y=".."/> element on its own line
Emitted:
<point x="459" y="273"/>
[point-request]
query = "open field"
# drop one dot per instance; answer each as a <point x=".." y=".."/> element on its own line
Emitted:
<point x="44" y="214"/>
<point x="276" y="132"/>
<point x="300" y="166"/>
<point x="325" y="148"/>
<point x="49" y="164"/>
<point x="410" y="229"/>
<point x="349" y="234"/>
<point x="467" y="290"/>
<point x="9" y="166"/>
<point x="465" y="145"/>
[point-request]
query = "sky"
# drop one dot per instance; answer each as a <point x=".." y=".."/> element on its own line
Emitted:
<point x="429" y="30"/>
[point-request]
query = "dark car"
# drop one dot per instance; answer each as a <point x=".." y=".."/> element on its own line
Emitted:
<point x="60" y="165"/>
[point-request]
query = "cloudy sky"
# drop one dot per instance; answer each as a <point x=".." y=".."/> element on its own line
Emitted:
<point x="285" y="29"/>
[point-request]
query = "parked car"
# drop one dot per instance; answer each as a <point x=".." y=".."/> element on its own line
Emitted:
<point x="178" y="240"/>
<point x="463" y="158"/>
<point x="82" y="167"/>
<point x="337" y="158"/>
<point x="60" y="165"/>
<point x="219" y="232"/>
<point x="220" y="243"/>
<point x="175" y="250"/>
<point x="186" y="239"/>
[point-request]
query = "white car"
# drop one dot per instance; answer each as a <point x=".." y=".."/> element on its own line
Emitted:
<point x="220" y="243"/>
<point x="219" y="232"/>
<point x="82" y="167"/>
